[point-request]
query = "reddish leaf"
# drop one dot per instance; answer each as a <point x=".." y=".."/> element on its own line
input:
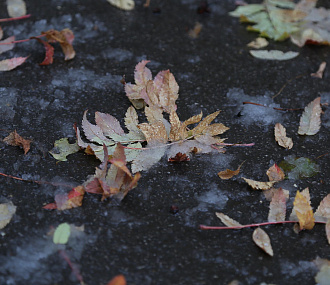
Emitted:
<point x="50" y="206"/>
<point x="9" y="64"/>
<point x="49" y="52"/>
<point x="15" y="139"/>
<point x="179" y="157"/>
<point x="275" y="173"/>
<point x="277" y="207"/>
<point x="4" y="48"/>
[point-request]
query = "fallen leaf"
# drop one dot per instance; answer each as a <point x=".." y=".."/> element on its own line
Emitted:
<point x="117" y="280"/>
<point x="304" y="212"/>
<point x="310" y="120"/>
<point x="15" y="139"/>
<point x="274" y="54"/>
<point x="262" y="240"/>
<point x="323" y="276"/>
<point x="62" y="148"/>
<point x="277" y="207"/>
<point x="327" y="230"/>
<point x="49" y="52"/>
<point x="275" y="173"/>
<point x="270" y="193"/>
<point x="298" y="168"/>
<point x="229" y="222"/>
<point x="62" y="234"/>
<point x="257" y="185"/>
<point x="319" y="73"/>
<point x="4" y="48"/>
<point x="64" y="38"/>
<point x="123" y="4"/>
<point x="227" y="174"/>
<point x="10" y="64"/>
<point x="7" y="211"/>
<point x="179" y="157"/>
<point x="258" y="43"/>
<point x="193" y="33"/>
<point x="16" y="8"/>
<point x="322" y="213"/>
<point x="281" y="138"/>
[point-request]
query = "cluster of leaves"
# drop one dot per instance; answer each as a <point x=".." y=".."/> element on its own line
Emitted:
<point x="64" y="38"/>
<point x="281" y="19"/>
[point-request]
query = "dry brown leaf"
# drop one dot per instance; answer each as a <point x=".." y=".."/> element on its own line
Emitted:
<point x="304" y="212"/>
<point x="155" y="132"/>
<point x="281" y="138"/>
<point x="310" y="120"/>
<point x="199" y="129"/>
<point x="257" y="185"/>
<point x="175" y="127"/>
<point x="193" y="33"/>
<point x="277" y="207"/>
<point x="117" y="280"/>
<point x="275" y="173"/>
<point x="15" y="139"/>
<point x="322" y="214"/>
<point x="262" y="240"/>
<point x="229" y="222"/>
<point x="227" y="174"/>
<point x="183" y="128"/>
<point x="319" y="73"/>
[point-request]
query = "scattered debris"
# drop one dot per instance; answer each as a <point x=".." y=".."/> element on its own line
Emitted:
<point x="319" y="73"/>
<point x="194" y="33"/>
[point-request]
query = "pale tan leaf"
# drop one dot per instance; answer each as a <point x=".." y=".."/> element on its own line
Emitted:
<point x="4" y="48"/>
<point x="10" y="64"/>
<point x="155" y="132"/>
<point x="183" y="129"/>
<point x="227" y="174"/>
<point x="123" y="4"/>
<point x="175" y="127"/>
<point x="262" y="240"/>
<point x="281" y="138"/>
<point x="7" y="210"/>
<point x="257" y="185"/>
<point x="258" y="43"/>
<point x="204" y="123"/>
<point x="215" y="129"/>
<point x="310" y="120"/>
<point x="153" y="114"/>
<point x="304" y="212"/>
<point x="132" y="120"/>
<point x="193" y="33"/>
<point x="277" y="207"/>
<point x="16" y="8"/>
<point x="319" y="73"/>
<point x="322" y="214"/>
<point x="229" y="222"/>
<point x="270" y="193"/>
<point x="275" y="173"/>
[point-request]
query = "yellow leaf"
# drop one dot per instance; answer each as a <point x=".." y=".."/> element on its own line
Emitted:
<point x="257" y="185"/>
<point x="155" y="132"/>
<point x="304" y="212"/>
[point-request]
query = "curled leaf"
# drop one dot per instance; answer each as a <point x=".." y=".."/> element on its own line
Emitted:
<point x="262" y="240"/>
<point x="49" y="52"/>
<point x="227" y="174"/>
<point x="257" y="185"/>
<point x="281" y="138"/>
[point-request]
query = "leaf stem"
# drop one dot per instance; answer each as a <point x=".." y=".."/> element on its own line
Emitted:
<point x="22" y="41"/>
<point x="204" y="227"/>
<point x="16" y="18"/>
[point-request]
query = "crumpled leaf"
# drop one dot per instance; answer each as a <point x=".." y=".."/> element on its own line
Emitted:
<point x="323" y="276"/>
<point x="16" y="8"/>
<point x="49" y="52"/>
<point x="277" y="207"/>
<point x="64" y="38"/>
<point x="322" y="213"/>
<point x="262" y="240"/>
<point x="275" y="173"/>
<point x="7" y="211"/>
<point x="257" y="185"/>
<point x="320" y="71"/>
<point x="10" y="64"/>
<point x="229" y="222"/>
<point x="304" y="212"/>
<point x="193" y="33"/>
<point x="227" y="174"/>
<point x="4" y="48"/>
<point x="117" y="280"/>
<point x="274" y="54"/>
<point x="62" y="234"/>
<point x="67" y="201"/>
<point x="62" y="148"/>
<point x="258" y="43"/>
<point x="116" y="181"/>
<point x="123" y="4"/>
<point x="179" y="157"/>
<point x="310" y="120"/>
<point x="15" y="139"/>
<point x="281" y="138"/>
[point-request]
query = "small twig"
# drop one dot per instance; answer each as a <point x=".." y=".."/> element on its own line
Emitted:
<point x="203" y="227"/>
<point x="35" y="181"/>
<point x="21" y="41"/>
<point x="16" y="18"/>
<point x="236" y="144"/>
<point x="289" y="81"/>
<point x="73" y="267"/>
<point x="275" y="108"/>
<point x="322" y="155"/>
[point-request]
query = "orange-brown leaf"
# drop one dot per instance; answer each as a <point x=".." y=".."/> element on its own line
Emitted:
<point x="117" y="280"/>
<point x="15" y="139"/>
<point x="227" y="174"/>
<point x="304" y="212"/>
